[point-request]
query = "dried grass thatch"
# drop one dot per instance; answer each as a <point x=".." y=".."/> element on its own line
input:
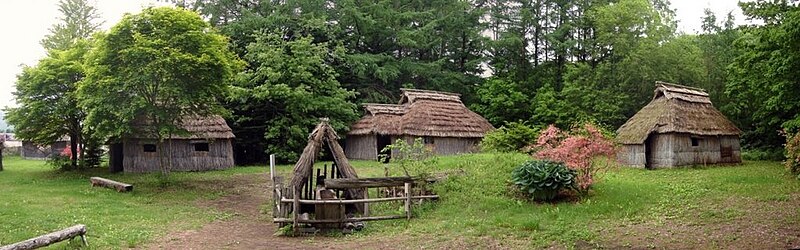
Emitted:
<point x="212" y="127"/>
<point x="679" y="109"/>
<point x="323" y="133"/>
<point x="422" y="113"/>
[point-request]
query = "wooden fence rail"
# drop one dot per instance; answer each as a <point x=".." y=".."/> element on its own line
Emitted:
<point x="281" y="215"/>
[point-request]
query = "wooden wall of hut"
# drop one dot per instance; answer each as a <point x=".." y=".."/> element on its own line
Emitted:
<point x="361" y="147"/>
<point x="454" y="145"/>
<point x="185" y="157"/>
<point x="631" y="155"/>
<point x="30" y="150"/>
<point x="681" y="149"/>
<point x="705" y="150"/>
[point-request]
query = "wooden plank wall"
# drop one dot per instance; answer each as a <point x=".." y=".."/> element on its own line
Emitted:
<point x="453" y="145"/>
<point x="631" y="155"/>
<point x="184" y="157"/>
<point x="361" y="147"/>
<point x="707" y="151"/>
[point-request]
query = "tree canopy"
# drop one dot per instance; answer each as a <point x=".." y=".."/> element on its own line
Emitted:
<point x="164" y="64"/>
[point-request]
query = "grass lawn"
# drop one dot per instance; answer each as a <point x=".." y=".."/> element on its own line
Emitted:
<point x="708" y="207"/>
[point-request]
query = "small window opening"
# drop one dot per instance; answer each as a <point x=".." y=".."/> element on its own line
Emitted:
<point x="149" y="147"/>
<point x="427" y="140"/>
<point x="201" y="147"/>
<point x="695" y="142"/>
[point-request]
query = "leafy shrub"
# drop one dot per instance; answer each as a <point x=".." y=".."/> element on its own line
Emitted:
<point x="763" y="154"/>
<point x="577" y="150"/>
<point x="511" y="137"/>
<point x="60" y="162"/>
<point x="414" y="159"/>
<point x="543" y="179"/>
<point x="793" y="154"/>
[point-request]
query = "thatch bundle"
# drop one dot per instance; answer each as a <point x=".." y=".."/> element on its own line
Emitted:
<point x="422" y="113"/>
<point x="679" y="109"/>
<point x="323" y="134"/>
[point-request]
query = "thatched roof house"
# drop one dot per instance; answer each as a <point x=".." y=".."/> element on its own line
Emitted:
<point x="680" y="126"/>
<point x="208" y="146"/>
<point x="33" y="151"/>
<point x="440" y="118"/>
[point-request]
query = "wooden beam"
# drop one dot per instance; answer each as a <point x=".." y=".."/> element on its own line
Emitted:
<point x="355" y="219"/>
<point x="103" y="182"/>
<point x="285" y="200"/>
<point x="408" y="200"/>
<point x="353" y="183"/>
<point x="47" y="239"/>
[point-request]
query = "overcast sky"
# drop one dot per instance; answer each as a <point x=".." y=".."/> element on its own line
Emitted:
<point x="25" y="22"/>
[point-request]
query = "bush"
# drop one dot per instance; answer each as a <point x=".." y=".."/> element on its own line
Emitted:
<point x="577" y="149"/>
<point x="542" y="179"/>
<point x="763" y="154"/>
<point x="793" y="154"/>
<point x="511" y="137"/>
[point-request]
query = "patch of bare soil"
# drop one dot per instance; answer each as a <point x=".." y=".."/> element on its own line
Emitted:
<point x="742" y="224"/>
<point x="249" y="228"/>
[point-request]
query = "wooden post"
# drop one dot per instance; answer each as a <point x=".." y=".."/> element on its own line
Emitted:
<point x="408" y="200"/>
<point x="295" y="210"/>
<point x="272" y="167"/>
<point x="366" y="205"/>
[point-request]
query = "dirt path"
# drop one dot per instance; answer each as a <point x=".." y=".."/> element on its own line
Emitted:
<point x="248" y="228"/>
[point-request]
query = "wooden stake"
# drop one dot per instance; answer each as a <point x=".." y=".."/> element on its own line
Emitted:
<point x="366" y="205"/>
<point x="295" y="211"/>
<point x="408" y="200"/>
<point x="272" y="167"/>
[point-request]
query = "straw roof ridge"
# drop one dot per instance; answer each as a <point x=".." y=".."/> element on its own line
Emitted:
<point x="676" y="109"/>
<point x="379" y="108"/>
<point x="411" y="95"/>
<point x="424" y="113"/>
<point x="210" y="127"/>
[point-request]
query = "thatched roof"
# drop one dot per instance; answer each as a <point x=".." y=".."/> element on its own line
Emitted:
<point x="679" y="109"/>
<point x="211" y="127"/>
<point x="422" y="113"/>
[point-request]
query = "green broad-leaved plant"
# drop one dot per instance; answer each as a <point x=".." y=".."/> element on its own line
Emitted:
<point x="541" y="180"/>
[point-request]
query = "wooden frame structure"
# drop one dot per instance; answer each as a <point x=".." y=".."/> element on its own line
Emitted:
<point x="282" y="209"/>
<point x="334" y="199"/>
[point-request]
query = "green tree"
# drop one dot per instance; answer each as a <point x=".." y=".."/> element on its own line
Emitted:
<point x="291" y="84"/>
<point x="164" y="64"/>
<point x="47" y="97"/>
<point x="78" y="22"/>
<point x="765" y="77"/>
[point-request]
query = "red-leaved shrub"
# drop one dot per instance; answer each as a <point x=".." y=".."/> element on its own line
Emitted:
<point x="576" y="149"/>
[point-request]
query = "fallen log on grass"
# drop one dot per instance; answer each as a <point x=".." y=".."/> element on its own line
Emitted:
<point x="47" y="239"/>
<point x="103" y="182"/>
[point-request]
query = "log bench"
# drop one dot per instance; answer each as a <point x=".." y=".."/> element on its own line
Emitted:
<point x="103" y="182"/>
<point x="47" y="239"/>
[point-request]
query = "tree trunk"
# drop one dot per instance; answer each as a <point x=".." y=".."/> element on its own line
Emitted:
<point x="73" y="148"/>
<point x="1" y="157"/>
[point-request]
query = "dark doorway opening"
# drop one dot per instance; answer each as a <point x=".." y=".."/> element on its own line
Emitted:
<point x="116" y="154"/>
<point x="648" y="152"/>
<point x="382" y="142"/>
